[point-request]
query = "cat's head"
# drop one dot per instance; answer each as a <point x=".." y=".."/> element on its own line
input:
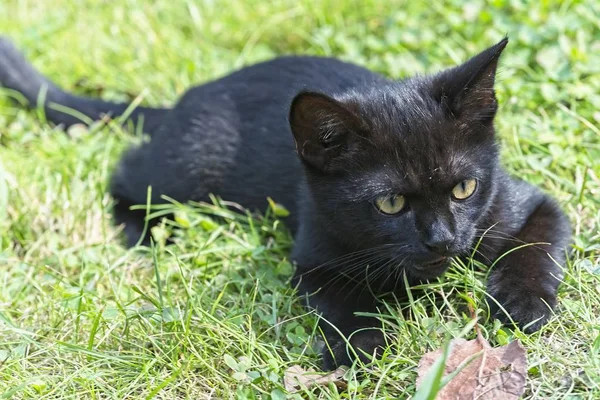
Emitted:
<point x="408" y="166"/>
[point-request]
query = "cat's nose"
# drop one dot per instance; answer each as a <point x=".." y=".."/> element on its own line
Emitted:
<point x="440" y="245"/>
<point x="439" y="237"/>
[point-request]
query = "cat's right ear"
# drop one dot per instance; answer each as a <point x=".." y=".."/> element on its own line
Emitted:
<point x="467" y="91"/>
<point x="323" y="129"/>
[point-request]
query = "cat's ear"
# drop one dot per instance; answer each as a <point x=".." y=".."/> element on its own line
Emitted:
<point x="325" y="130"/>
<point x="467" y="91"/>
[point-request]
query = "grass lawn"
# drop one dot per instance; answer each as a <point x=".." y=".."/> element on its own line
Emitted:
<point x="212" y="316"/>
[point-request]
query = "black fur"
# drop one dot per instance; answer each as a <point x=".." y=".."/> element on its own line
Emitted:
<point x="358" y="136"/>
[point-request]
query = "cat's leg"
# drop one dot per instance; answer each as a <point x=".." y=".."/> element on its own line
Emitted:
<point x="135" y="227"/>
<point x="525" y="280"/>
<point x="338" y="301"/>
<point x="130" y="185"/>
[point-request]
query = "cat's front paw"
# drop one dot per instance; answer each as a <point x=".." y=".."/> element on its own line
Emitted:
<point x="365" y="344"/>
<point x="530" y="310"/>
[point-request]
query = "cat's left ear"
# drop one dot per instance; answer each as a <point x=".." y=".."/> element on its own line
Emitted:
<point x="326" y="131"/>
<point x="467" y="91"/>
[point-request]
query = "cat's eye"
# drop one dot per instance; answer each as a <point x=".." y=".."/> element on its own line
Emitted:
<point x="390" y="205"/>
<point x="464" y="189"/>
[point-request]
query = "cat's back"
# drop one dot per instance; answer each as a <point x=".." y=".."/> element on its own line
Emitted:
<point x="231" y="136"/>
<point x="272" y="84"/>
<point x="314" y="72"/>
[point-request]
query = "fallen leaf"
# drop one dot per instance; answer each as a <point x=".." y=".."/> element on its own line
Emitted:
<point x="77" y="131"/>
<point x="477" y="371"/>
<point x="296" y="378"/>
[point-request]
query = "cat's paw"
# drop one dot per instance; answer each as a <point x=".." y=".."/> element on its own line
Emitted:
<point x="529" y="310"/>
<point x="364" y="344"/>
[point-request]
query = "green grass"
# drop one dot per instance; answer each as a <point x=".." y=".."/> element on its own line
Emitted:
<point x="213" y="315"/>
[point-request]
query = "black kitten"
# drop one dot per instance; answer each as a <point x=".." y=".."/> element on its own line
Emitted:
<point x="394" y="178"/>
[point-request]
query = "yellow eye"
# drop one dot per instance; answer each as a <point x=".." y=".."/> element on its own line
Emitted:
<point x="390" y="204"/>
<point x="465" y="189"/>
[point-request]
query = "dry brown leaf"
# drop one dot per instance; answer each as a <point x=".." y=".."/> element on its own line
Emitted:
<point x="296" y="378"/>
<point x="489" y="373"/>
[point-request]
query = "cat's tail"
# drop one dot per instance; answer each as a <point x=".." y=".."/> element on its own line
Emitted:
<point x="60" y="107"/>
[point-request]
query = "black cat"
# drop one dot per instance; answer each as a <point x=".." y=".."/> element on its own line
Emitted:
<point x="392" y="178"/>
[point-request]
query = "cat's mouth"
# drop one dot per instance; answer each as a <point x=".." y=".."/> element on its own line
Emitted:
<point x="432" y="268"/>
<point x="437" y="262"/>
